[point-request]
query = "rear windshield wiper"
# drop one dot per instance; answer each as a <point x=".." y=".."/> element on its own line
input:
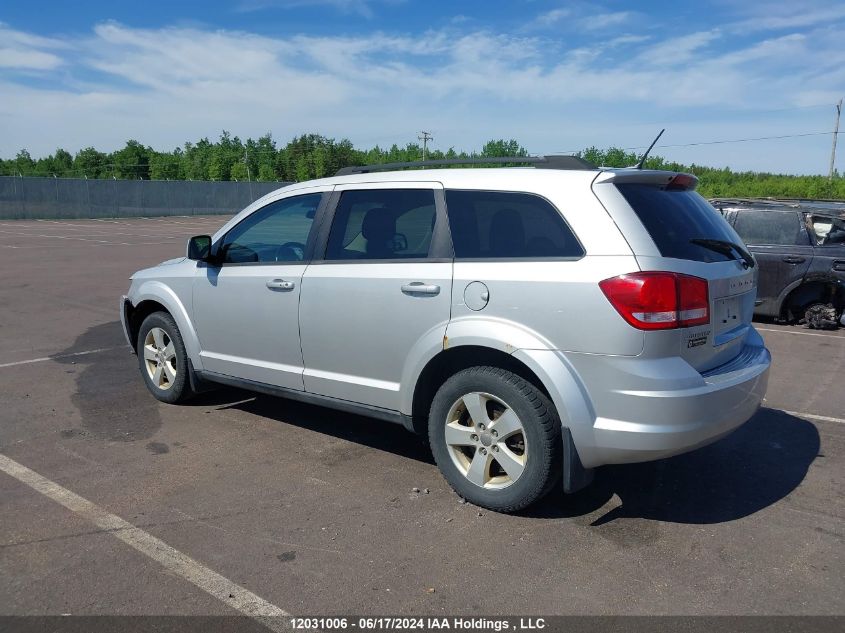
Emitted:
<point x="726" y="248"/>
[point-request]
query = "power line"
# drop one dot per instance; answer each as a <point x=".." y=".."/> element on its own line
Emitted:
<point x="721" y="142"/>
<point x="748" y="140"/>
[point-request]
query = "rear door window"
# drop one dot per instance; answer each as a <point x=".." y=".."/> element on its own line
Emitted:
<point x="675" y="218"/>
<point x="382" y="224"/>
<point x="761" y="227"/>
<point x="501" y="224"/>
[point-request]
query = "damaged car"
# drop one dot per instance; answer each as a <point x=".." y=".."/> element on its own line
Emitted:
<point x="800" y="248"/>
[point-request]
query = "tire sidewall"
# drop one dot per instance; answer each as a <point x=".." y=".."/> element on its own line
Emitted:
<point x="533" y="481"/>
<point x="180" y="389"/>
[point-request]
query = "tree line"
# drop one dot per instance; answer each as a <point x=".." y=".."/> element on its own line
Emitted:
<point x="314" y="156"/>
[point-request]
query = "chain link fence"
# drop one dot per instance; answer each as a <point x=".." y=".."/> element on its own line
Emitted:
<point x="32" y="198"/>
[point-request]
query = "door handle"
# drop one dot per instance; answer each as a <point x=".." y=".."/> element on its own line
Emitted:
<point x="280" y="284"/>
<point x="794" y="259"/>
<point x="839" y="266"/>
<point x="420" y="288"/>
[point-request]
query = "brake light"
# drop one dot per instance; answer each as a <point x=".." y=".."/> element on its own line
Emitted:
<point x="693" y="301"/>
<point x="659" y="300"/>
<point x="682" y="182"/>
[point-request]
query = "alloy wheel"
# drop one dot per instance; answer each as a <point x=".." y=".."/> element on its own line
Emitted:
<point x="160" y="358"/>
<point x="486" y="440"/>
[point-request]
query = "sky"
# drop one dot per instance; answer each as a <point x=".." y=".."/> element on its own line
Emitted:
<point x="556" y="76"/>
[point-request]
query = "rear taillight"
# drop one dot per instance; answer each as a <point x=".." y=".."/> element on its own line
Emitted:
<point x="658" y="300"/>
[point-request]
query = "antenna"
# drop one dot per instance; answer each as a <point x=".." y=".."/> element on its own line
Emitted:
<point x="640" y="164"/>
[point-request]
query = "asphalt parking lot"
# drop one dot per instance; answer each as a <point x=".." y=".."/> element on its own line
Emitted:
<point x="313" y="510"/>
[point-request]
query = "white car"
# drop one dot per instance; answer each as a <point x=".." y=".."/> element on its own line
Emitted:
<point x="534" y="323"/>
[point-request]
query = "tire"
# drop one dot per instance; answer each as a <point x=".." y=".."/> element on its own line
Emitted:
<point x="162" y="359"/>
<point x="505" y="470"/>
<point x="820" y="316"/>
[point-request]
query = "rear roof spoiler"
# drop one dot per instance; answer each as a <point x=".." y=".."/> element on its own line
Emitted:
<point x="668" y="179"/>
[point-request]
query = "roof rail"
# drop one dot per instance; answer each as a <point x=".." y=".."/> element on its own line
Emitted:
<point x="547" y="162"/>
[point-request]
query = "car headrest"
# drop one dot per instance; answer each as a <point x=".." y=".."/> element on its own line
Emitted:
<point x="379" y="227"/>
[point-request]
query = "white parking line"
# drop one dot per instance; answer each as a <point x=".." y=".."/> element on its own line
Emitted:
<point x="813" y="416"/>
<point x="43" y="358"/>
<point x="88" y="236"/>
<point x="171" y="559"/>
<point x="764" y="329"/>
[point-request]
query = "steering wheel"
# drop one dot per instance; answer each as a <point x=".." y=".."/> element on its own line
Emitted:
<point x="297" y="248"/>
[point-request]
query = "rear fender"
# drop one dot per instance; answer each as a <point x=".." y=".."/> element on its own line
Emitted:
<point x="570" y="398"/>
<point x="557" y="375"/>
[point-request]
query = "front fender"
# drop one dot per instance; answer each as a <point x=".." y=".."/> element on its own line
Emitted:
<point x="162" y="293"/>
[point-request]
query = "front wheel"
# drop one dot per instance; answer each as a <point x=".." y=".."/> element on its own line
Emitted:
<point x="496" y="438"/>
<point x="162" y="358"/>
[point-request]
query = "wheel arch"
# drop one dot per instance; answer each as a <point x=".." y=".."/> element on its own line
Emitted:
<point x="824" y="290"/>
<point x="135" y="316"/>
<point x="155" y="296"/>
<point x="454" y="359"/>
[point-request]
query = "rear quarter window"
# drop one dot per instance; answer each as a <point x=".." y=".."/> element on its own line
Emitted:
<point x="505" y="225"/>
<point x="673" y="218"/>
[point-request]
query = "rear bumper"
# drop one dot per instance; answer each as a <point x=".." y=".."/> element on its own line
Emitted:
<point x="669" y="408"/>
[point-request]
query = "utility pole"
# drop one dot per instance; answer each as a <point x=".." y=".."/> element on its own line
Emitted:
<point x="246" y="162"/>
<point x="835" y="134"/>
<point x="425" y="138"/>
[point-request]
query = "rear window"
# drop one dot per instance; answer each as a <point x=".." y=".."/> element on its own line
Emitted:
<point x="501" y="224"/>
<point x="673" y="218"/>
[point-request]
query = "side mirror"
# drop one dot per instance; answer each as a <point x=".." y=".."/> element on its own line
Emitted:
<point x="199" y="248"/>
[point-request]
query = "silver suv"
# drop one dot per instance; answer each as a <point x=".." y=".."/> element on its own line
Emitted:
<point x="534" y="323"/>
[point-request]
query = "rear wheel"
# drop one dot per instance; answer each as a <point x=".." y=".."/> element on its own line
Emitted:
<point x="820" y="316"/>
<point x="495" y="438"/>
<point x="162" y="358"/>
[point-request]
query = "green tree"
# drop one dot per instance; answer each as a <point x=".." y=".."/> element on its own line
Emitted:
<point x="266" y="173"/>
<point x="89" y="163"/>
<point x="23" y="163"/>
<point x="132" y="162"/>
<point x="312" y="156"/>
<point x="501" y="148"/>
<point x="166" y="165"/>
<point x="238" y="171"/>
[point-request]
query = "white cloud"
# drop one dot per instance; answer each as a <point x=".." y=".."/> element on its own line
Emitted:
<point x="360" y="7"/>
<point x="24" y="51"/>
<point x="602" y="21"/>
<point x="550" y="18"/>
<point x="27" y="59"/>
<point x="677" y="49"/>
<point x="579" y="18"/>
<point x="624" y="40"/>
<point x="166" y="86"/>
<point x="788" y="16"/>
